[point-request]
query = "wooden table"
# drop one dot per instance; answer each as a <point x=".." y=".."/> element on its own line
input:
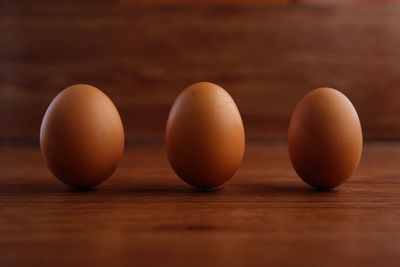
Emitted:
<point x="145" y="216"/>
<point x="142" y="55"/>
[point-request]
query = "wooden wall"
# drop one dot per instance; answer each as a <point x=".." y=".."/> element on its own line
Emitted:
<point x="266" y="56"/>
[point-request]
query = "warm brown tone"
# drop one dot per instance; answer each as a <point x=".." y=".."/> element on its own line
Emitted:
<point x="267" y="58"/>
<point x="345" y="2"/>
<point x="204" y="135"/>
<point x="82" y="136"/>
<point x="145" y="215"/>
<point x="208" y="2"/>
<point x="325" y="138"/>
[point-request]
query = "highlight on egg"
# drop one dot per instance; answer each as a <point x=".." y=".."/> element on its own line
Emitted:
<point x="205" y="137"/>
<point x="82" y="136"/>
<point x="325" y="138"/>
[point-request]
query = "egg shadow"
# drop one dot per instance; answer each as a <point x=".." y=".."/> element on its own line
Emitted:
<point x="157" y="189"/>
<point x="271" y="187"/>
<point x="41" y="188"/>
<point x="287" y="189"/>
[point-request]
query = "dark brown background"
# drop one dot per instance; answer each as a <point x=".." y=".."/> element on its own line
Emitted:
<point x="142" y="56"/>
<point x="267" y="54"/>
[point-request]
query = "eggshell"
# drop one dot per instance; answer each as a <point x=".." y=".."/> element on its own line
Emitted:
<point x="205" y="136"/>
<point x="81" y="136"/>
<point x="325" y="138"/>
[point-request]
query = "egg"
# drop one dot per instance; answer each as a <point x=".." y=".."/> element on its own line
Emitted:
<point x="205" y="137"/>
<point x="82" y="136"/>
<point x="325" y="138"/>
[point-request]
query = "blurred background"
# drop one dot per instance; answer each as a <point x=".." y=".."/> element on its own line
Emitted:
<point x="265" y="53"/>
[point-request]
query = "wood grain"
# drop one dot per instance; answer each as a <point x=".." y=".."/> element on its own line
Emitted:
<point x="145" y="216"/>
<point x="142" y="57"/>
<point x="346" y="2"/>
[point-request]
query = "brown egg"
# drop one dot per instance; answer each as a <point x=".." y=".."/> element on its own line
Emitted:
<point x="82" y="137"/>
<point x="325" y="138"/>
<point x="205" y="136"/>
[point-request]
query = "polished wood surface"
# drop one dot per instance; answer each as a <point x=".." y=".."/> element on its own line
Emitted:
<point x="142" y="57"/>
<point x="267" y="54"/>
<point x="145" y="216"/>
